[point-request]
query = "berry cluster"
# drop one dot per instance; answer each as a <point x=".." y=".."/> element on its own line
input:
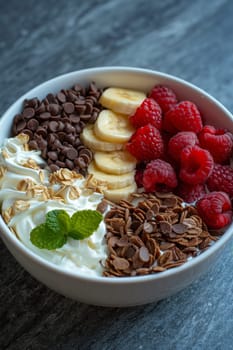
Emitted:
<point x="176" y="152"/>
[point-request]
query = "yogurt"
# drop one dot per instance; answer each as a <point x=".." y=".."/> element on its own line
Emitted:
<point x="29" y="191"/>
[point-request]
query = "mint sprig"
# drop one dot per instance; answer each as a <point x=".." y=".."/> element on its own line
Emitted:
<point x="58" y="226"/>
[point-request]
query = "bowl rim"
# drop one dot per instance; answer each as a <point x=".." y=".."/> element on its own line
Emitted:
<point x="9" y="236"/>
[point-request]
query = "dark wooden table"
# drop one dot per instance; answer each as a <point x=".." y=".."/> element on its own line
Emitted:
<point x="43" y="39"/>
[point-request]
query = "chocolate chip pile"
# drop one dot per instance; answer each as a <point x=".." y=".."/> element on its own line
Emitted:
<point x="152" y="233"/>
<point x="54" y="126"/>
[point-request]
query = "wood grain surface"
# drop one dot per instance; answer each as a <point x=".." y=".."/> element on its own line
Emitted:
<point x="42" y="39"/>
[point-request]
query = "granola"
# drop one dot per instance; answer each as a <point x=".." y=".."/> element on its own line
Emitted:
<point x="152" y="233"/>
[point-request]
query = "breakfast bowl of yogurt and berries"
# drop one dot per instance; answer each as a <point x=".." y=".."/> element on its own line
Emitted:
<point x="116" y="184"/>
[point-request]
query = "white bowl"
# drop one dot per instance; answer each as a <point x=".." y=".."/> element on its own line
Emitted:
<point x="127" y="291"/>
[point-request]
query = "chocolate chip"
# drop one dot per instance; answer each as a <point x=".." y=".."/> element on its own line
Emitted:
<point x="60" y="164"/>
<point x="61" y="97"/>
<point x="53" y="108"/>
<point x="80" y="108"/>
<point x="68" y="107"/>
<point x="51" y="138"/>
<point x="78" y="128"/>
<point x="70" y="138"/>
<point x="56" y="117"/>
<point x="89" y="108"/>
<point x="69" y="164"/>
<point x="93" y="99"/>
<point x="50" y="98"/>
<point x="86" y="158"/>
<point x="74" y="118"/>
<point x="41" y="131"/>
<point x="71" y="153"/>
<point x="57" y="144"/>
<point x="52" y="155"/>
<point x="61" y="125"/>
<point x="54" y="167"/>
<point x="61" y="135"/>
<point x="85" y="151"/>
<point x="33" y="124"/>
<point x="71" y="96"/>
<point x="33" y="102"/>
<point x="41" y="109"/>
<point x="61" y="156"/>
<point x="93" y="118"/>
<point x="53" y="126"/>
<point x="17" y="118"/>
<point x="69" y="128"/>
<point x="77" y="143"/>
<point x="85" y="117"/>
<point x="45" y="116"/>
<point x="28" y="112"/>
<point x="93" y="88"/>
<point x="42" y="144"/>
<point x="80" y="162"/>
<point x="43" y="151"/>
<point x="20" y="125"/>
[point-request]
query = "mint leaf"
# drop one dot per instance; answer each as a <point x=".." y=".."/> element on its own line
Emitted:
<point x="84" y="223"/>
<point x="45" y="238"/>
<point x="58" y="226"/>
<point x="58" y="221"/>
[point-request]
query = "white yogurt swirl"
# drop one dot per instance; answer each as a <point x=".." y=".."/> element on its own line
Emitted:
<point x="27" y="194"/>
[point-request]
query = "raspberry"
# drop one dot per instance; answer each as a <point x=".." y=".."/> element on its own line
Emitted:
<point x="180" y="141"/>
<point x="190" y="193"/>
<point x="215" y="209"/>
<point x="196" y="165"/>
<point x="183" y="117"/>
<point x="149" y="112"/>
<point x="221" y="179"/>
<point x="159" y="176"/>
<point x="164" y="96"/>
<point x="218" y="142"/>
<point x="146" y="143"/>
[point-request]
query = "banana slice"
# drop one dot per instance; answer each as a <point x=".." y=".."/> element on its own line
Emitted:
<point x="112" y="181"/>
<point x="90" y="140"/>
<point x="122" y="101"/>
<point x="120" y="193"/>
<point x="113" y="127"/>
<point x="117" y="162"/>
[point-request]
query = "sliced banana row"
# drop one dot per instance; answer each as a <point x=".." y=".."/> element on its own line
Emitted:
<point x="106" y="138"/>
